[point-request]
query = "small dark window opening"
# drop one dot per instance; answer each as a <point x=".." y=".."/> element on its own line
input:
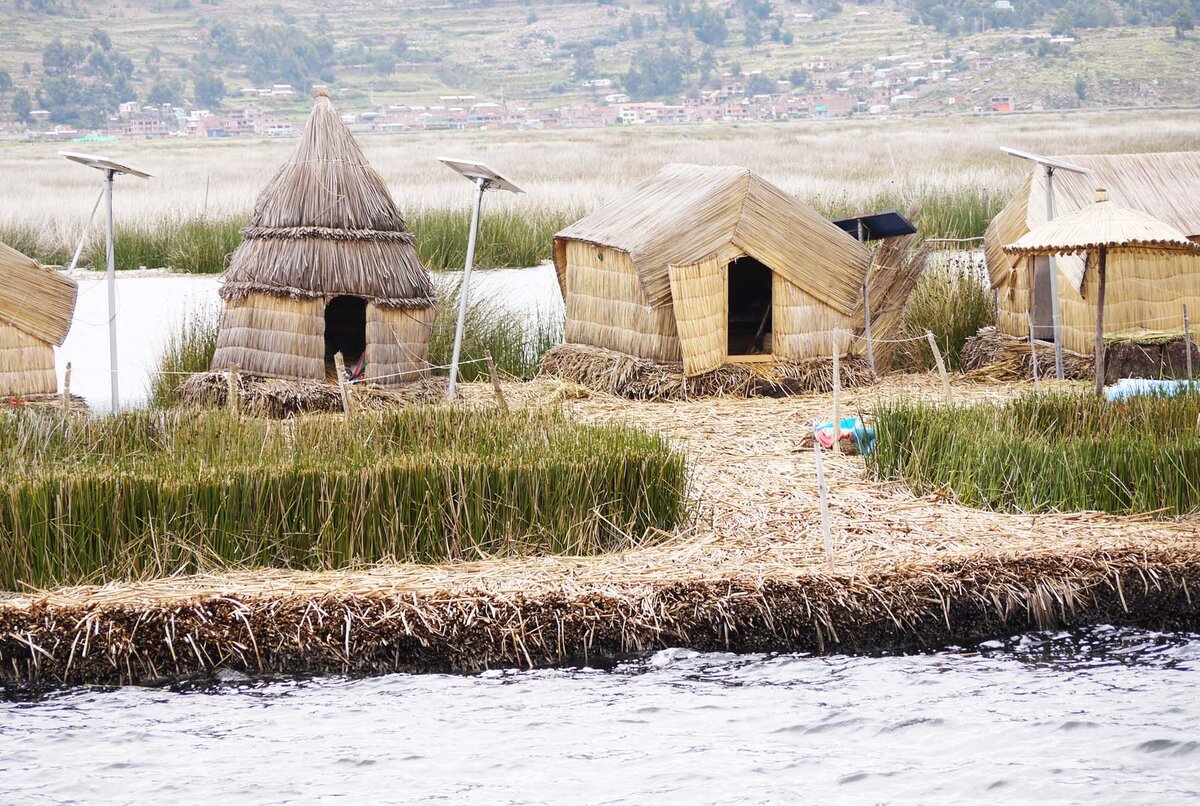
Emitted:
<point x="345" y="329"/>
<point x="749" y="306"/>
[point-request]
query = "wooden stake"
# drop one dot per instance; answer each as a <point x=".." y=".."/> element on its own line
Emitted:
<point x="941" y="365"/>
<point x="1187" y="343"/>
<point x="66" y="390"/>
<point x="495" y="380"/>
<point x="1099" y="352"/>
<point x="824" y="493"/>
<point x="837" y="400"/>
<point x="232" y="396"/>
<point x="339" y="364"/>
<point x="1033" y="351"/>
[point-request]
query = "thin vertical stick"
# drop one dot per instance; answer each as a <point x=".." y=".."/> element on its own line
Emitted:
<point x="837" y="400"/>
<point x="1099" y="352"/>
<point x="824" y="505"/>
<point x="495" y="381"/>
<point x="941" y="365"/>
<point x="867" y="326"/>
<point x="1187" y="343"/>
<point x="232" y="395"/>
<point x="66" y="399"/>
<point x="339" y="363"/>
<point x="1033" y="352"/>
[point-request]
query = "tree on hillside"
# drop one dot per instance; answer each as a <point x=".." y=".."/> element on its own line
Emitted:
<point x="209" y="89"/>
<point x="6" y="82"/>
<point x="22" y="105"/>
<point x="654" y="73"/>
<point x="752" y="32"/>
<point x="1183" y="23"/>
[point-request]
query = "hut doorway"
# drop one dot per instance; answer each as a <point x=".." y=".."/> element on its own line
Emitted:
<point x="345" y="330"/>
<point x="1043" y="302"/>
<point x="749" y="307"/>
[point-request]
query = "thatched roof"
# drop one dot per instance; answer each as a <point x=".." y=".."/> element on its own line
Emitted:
<point x="34" y="299"/>
<point x="326" y="225"/>
<point x="1166" y="186"/>
<point x="685" y="213"/>
<point x="1102" y="224"/>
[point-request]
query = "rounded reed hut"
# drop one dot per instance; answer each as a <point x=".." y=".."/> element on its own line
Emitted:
<point x="1146" y="290"/>
<point x="327" y="266"/>
<point x="36" y="307"/>
<point x="709" y="266"/>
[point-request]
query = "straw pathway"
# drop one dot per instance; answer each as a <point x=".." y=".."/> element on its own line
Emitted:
<point x="749" y="574"/>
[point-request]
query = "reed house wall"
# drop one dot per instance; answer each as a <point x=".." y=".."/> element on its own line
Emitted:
<point x="398" y="344"/>
<point x="269" y="335"/>
<point x="26" y="364"/>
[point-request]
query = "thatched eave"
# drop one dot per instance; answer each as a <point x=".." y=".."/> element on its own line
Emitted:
<point x="35" y="299"/>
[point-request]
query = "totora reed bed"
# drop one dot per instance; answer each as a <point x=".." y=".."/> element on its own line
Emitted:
<point x="747" y="574"/>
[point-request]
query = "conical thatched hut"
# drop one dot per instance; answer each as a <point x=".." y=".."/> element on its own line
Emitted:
<point x="708" y="266"/>
<point x="1146" y="290"/>
<point x="36" y="306"/>
<point x="326" y="266"/>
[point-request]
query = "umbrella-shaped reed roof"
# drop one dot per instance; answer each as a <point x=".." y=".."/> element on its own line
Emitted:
<point x="685" y="213"/>
<point x="34" y="299"/>
<point x="1102" y="224"/>
<point x="326" y="225"/>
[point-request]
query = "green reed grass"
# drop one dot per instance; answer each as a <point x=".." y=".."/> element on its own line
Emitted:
<point x="150" y="493"/>
<point x="952" y="304"/>
<point x="507" y="238"/>
<point x="1046" y="453"/>
<point x="188" y="349"/>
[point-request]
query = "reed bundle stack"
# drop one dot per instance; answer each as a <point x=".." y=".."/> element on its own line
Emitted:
<point x="1146" y="289"/>
<point x="260" y="395"/>
<point x="36" y="306"/>
<point x="999" y="356"/>
<point x="326" y="266"/>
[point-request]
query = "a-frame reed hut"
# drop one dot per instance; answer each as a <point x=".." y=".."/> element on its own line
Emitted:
<point x="326" y="266"/>
<point x="1146" y="290"/>
<point x="708" y="266"/>
<point x="36" y="307"/>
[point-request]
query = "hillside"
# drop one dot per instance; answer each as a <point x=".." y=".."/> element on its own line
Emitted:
<point x="81" y="60"/>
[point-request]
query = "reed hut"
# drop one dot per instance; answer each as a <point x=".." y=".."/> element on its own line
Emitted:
<point x="709" y="266"/>
<point x="327" y="265"/>
<point x="36" y="306"/>
<point x="1146" y="290"/>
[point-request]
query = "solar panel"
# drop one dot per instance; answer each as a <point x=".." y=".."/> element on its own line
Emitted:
<point x="477" y="170"/>
<point x="876" y="226"/>
<point x="103" y="164"/>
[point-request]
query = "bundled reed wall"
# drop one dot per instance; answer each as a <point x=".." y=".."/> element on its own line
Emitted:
<point x="266" y="334"/>
<point x="26" y="364"/>
<point x="606" y="306"/>
<point x="398" y="344"/>
<point x="701" y="293"/>
<point x="804" y="327"/>
<point x="1144" y="292"/>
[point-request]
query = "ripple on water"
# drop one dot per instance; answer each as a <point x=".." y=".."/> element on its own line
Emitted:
<point x="1030" y="717"/>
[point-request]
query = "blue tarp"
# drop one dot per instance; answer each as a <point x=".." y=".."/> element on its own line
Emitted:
<point x="1136" y="387"/>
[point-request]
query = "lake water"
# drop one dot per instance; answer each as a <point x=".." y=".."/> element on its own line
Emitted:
<point x="150" y="308"/>
<point x="1099" y="715"/>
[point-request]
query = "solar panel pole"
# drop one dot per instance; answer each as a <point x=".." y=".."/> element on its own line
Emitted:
<point x="111" y="276"/>
<point x="866" y="286"/>
<point x="1055" y="308"/>
<point x="464" y="291"/>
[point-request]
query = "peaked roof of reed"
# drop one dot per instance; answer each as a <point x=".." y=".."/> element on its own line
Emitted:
<point x="1102" y="224"/>
<point x="34" y="299"/>
<point x="1165" y="186"/>
<point x="685" y="213"/>
<point x="326" y="224"/>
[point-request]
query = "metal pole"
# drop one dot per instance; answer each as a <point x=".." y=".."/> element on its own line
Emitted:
<point x="465" y="289"/>
<point x="867" y="308"/>
<point x="1187" y="344"/>
<point x="111" y="275"/>
<point x="1054" y="307"/>
<point x="86" y="228"/>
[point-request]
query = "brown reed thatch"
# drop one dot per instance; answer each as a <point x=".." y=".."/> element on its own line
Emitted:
<point x="1144" y="291"/>
<point x="281" y="398"/>
<point x="635" y="378"/>
<point x="998" y="356"/>
<point x="326" y="225"/>
<point x="686" y="213"/>
<point x="35" y="299"/>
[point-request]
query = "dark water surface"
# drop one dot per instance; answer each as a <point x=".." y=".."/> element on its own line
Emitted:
<point x="1103" y="715"/>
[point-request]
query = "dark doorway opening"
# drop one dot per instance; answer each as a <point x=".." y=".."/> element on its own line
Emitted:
<point x="749" y="307"/>
<point x="345" y="329"/>
<point x="1043" y="301"/>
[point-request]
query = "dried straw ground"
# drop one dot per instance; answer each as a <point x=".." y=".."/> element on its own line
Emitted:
<point x="748" y="575"/>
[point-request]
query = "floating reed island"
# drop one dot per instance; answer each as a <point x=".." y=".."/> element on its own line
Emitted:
<point x="748" y="572"/>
